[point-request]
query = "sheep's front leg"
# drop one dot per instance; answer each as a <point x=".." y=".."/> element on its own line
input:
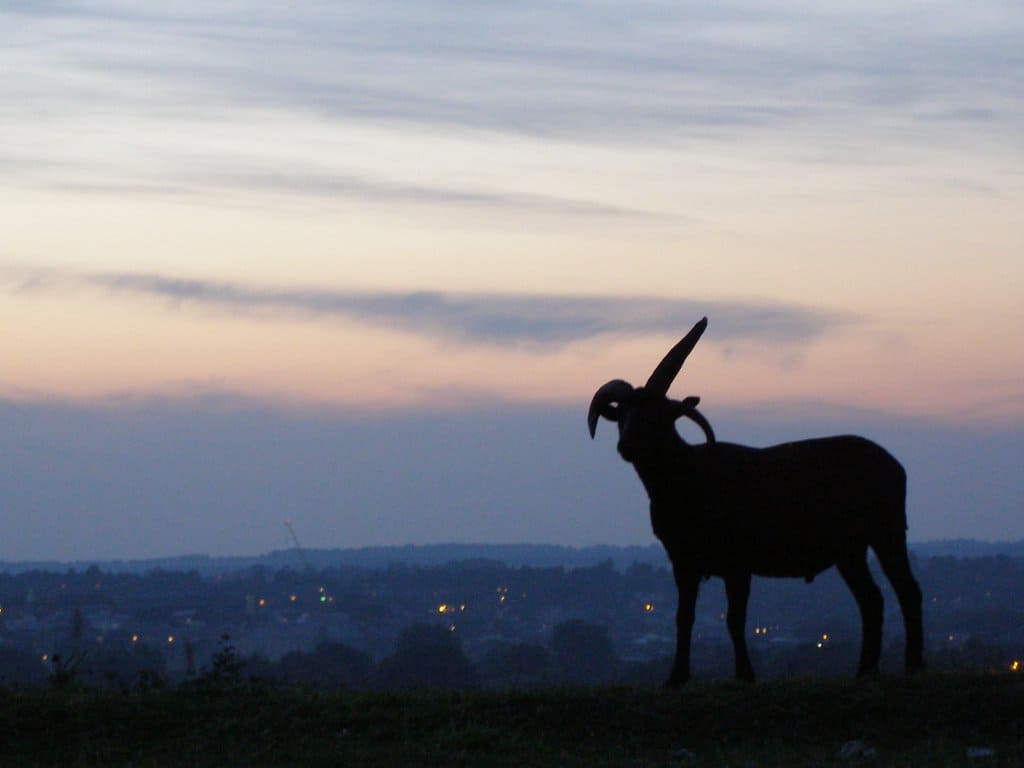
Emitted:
<point x="687" y="584"/>
<point x="737" y="590"/>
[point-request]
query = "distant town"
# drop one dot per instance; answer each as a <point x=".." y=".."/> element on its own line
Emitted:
<point x="468" y="616"/>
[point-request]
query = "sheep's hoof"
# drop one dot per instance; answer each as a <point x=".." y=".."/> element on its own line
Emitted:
<point x="674" y="683"/>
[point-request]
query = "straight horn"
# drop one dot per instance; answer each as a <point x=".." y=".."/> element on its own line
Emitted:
<point x="668" y="368"/>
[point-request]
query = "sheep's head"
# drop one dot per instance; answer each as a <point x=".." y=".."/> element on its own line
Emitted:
<point x="645" y="415"/>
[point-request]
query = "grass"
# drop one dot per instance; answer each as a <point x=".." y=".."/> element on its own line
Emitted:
<point x="921" y="721"/>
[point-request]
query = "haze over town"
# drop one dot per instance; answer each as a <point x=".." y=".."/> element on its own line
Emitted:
<point x="363" y="266"/>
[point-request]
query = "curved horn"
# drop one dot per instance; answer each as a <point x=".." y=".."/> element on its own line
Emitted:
<point x="669" y="367"/>
<point x="697" y="417"/>
<point x="615" y="391"/>
<point x="688" y="408"/>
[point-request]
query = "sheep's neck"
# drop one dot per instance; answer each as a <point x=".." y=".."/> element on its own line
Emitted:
<point x="661" y="470"/>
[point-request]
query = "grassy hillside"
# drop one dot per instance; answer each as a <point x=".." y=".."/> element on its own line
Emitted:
<point x="930" y="720"/>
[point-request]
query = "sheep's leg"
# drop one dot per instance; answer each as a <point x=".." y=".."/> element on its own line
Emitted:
<point x="896" y="566"/>
<point x="687" y="584"/>
<point x="869" y="599"/>
<point x="737" y="590"/>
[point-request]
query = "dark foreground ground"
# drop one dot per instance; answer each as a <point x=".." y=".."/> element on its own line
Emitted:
<point x="940" y="720"/>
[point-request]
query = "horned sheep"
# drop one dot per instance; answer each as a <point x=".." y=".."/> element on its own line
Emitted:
<point x="789" y="510"/>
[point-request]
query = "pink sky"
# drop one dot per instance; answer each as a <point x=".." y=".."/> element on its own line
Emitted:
<point x="369" y="209"/>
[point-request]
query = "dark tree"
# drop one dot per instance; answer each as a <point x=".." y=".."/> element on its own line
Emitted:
<point x="329" y="665"/>
<point x="122" y="668"/>
<point x="583" y="652"/>
<point x="517" y="665"/>
<point x="426" y="657"/>
<point x="21" y="667"/>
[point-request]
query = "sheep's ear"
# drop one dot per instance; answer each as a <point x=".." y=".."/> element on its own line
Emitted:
<point x="679" y="408"/>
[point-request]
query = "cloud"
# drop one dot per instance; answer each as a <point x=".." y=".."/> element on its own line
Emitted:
<point x="499" y="319"/>
<point x="631" y="72"/>
<point x="153" y="93"/>
<point x="340" y="185"/>
<point x="355" y="186"/>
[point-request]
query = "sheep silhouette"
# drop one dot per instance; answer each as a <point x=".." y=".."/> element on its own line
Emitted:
<point x="789" y="510"/>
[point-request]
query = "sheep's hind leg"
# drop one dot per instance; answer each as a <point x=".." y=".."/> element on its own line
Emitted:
<point x="855" y="573"/>
<point x="737" y="591"/>
<point x="896" y="565"/>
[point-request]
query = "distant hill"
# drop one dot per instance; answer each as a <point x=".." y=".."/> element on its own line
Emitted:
<point x="514" y="555"/>
<point x="968" y="548"/>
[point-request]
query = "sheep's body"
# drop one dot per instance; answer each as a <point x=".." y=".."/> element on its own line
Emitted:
<point x="790" y="510"/>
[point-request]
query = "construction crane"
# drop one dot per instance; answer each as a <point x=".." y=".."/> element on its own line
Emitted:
<point x="298" y="547"/>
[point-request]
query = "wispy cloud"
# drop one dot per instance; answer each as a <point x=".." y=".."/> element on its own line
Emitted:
<point x="498" y="319"/>
<point x="336" y="186"/>
<point x="355" y="186"/>
<point x="747" y="78"/>
<point x="633" y="72"/>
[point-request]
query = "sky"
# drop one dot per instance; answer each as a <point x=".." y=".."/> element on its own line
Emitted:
<point x="362" y="265"/>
